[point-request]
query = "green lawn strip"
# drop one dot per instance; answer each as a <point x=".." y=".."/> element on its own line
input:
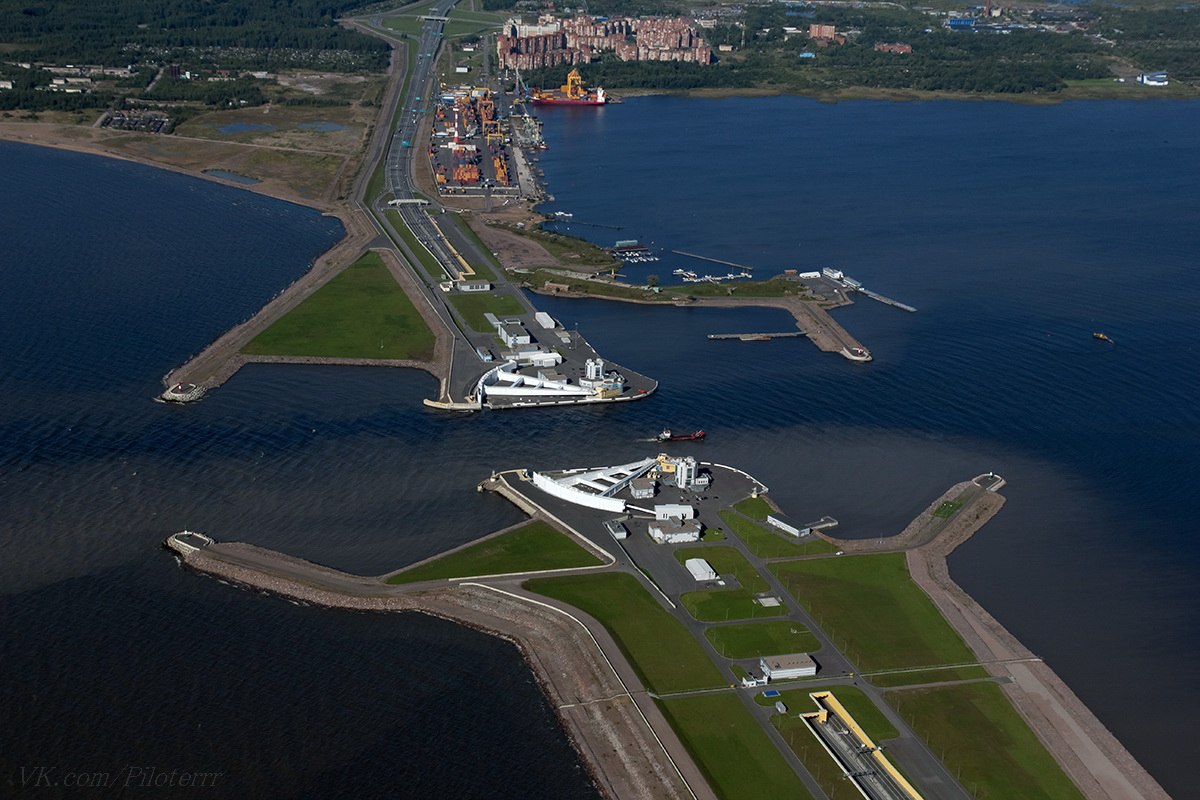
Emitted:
<point x="874" y="612"/>
<point x="776" y="287"/>
<point x="947" y="509"/>
<point x="727" y="605"/>
<point x="756" y="507"/>
<point x="765" y="544"/>
<point x="428" y="262"/>
<point x="984" y="742"/>
<point x="533" y="546"/>
<point x="861" y="707"/>
<point x="761" y="639"/>
<point x="661" y="650"/>
<point x="472" y="307"/>
<point x="482" y="271"/>
<point x="733" y="752"/>
<point x="927" y="676"/>
<point x="727" y="561"/>
<point x="361" y="313"/>
<point x="569" y="249"/>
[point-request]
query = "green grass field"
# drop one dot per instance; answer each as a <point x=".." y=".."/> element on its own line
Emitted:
<point x="761" y="639"/>
<point x="360" y="313"/>
<point x="766" y="544"/>
<point x="928" y="676"/>
<point x="533" y="546"/>
<point x="756" y="507"/>
<point x="472" y="307"/>
<point x="727" y="605"/>
<point x="731" y="749"/>
<point x="661" y="650"/>
<point x="727" y="561"/>
<point x="947" y="509"/>
<point x="871" y="608"/>
<point x="984" y="742"/>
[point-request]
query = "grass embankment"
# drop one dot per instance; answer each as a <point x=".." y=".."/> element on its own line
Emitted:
<point x="775" y="287"/>
<point x="761" y="639"/>
<point x="984" y="742"/>
<point x="766" y="544"/>
<point x="665" y="656"/>
<point x="537" y="279"/>
<point x="472" y="307"/>
<point x="569" y="249"/>
<point x="755" y="507"/>
<point x="806" y="747"/>
<point x="947" y="509"/>
<point x="730" y="748"/>
<point x="871" y="608"/>
<point x="531" y="547"/>
<point x="360" y="313"/>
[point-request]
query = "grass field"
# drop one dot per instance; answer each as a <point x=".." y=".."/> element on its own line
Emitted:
<point x="661" y="650"/>
<point x="928" y="676"/>
<point x="727" y="605"/>
<point x="761" y="639"/>
<point x="984" y="742"/>
<point x="731" y="749"/>
<point x="765" y="544"/>
<point x="533" y="546"/>
<point x="472" y="307"/>
<point x="776" y="287"/>
<point x="947" y="509"/>
<point x="727" y="561"/>
<point x="360" y="313"/>
<point x="865" y="713"/>
<point x="871" y="608"/>
<point x="756" y="507"/>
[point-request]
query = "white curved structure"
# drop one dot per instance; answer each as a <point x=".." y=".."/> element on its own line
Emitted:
<point x="593" y="488"/>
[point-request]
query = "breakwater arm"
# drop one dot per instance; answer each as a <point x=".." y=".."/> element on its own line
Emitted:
<point x="598" y="711"/>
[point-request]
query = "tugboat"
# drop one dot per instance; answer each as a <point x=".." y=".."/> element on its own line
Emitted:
<point x="1104" y="337"/>
<point x="668" y="436"/>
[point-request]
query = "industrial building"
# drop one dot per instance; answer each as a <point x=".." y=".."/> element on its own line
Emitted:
<point x="642" y="489"/>
<point x="782" y="668"/>
<point x="1153" y="79"/>
<point x="700" y="569"/>
<point x="676" y="510"/>
<point x="617" y="528"/>
<point x="593" y="488"/>
<point x="474" y="286"/>
<point x="675" y="530"/>
<point x="786" y="525"/>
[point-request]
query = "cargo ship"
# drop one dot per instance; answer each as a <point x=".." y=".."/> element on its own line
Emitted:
<point x="570" y="93"/>
<point x="668" y="436"/>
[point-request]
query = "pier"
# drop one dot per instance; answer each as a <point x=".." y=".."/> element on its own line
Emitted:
<point x="887" y="301"/>
<point x="713" y="260"/>
<point x="756" y="337"/>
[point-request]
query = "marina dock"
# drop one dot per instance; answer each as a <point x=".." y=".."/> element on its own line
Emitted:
<point x="713" y="260"/>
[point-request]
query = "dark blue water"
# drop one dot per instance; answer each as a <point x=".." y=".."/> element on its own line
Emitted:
<point x="1017" y="231"/>
<point x="113" y="659"/>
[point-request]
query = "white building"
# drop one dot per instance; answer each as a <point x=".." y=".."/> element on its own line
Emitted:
<point x="641" y="489"/>
<point x="474" y="286"/>
<point x="544" y="319"/>
<point x="786" y="525"/>
<point x="676" y="510"/>
<point x="1153" y="79"/>
<point x="833" y="274"/>
<point x="592" y="488"/>
<point x="781" y="668"/>
<point x="515" y="334"/>
<point x="701" y="570"/>
<point x="675" y="531"/>
<point x="617" y="529"/>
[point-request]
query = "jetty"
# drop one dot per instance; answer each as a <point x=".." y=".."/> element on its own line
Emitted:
<point x="756" y="337"/>
<point x="887" y="301"/>
<point x="713" y="260"/>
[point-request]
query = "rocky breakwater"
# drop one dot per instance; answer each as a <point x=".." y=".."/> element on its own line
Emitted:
<point x="595" y="708"/>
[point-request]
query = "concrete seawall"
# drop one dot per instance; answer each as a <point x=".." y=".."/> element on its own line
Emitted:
<point x="597" y="711"/>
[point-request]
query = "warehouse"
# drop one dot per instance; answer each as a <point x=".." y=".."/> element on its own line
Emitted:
<point x="701" y="570"/>
<point x="782" y="668"/>
<point x="786" y="525"/>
